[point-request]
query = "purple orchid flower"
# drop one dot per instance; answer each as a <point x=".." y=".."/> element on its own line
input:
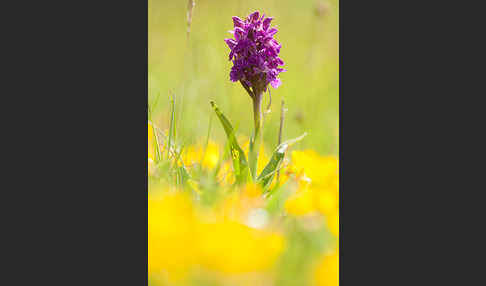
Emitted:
<point x="254" y="53"/>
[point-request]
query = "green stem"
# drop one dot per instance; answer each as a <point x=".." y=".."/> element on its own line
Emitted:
<point x="257" y="138"/>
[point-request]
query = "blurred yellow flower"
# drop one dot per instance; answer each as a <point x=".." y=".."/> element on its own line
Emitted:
<point x="318" y="190"/>
<point x="301" y="203"/>
<point x="181" y="237"/>
<point x="225" y="174"/>
<point x="252" y="190"/>
<point x="326" y="200"/>
<point x="322" y="171"/>
<point x="194" y="155"/>
<point x="171" y="234"/>
<point x="332" y="221"/>
<point x="151" y="167"/>
<point x="327" y="272"/>
<point x="308" y="167"/>
<point x="231" y="247"/>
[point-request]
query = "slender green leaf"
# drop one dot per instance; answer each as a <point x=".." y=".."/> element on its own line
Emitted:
<point x="240" y="164"/>
<point x="172" y="132"/>
<point x="266" y="176"/>
<point x="183" y="175"/>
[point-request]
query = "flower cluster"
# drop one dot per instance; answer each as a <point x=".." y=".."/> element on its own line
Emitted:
<point x="183" y="236"/>
<point x="318" y="186"/>
<point x="254" y="52"/>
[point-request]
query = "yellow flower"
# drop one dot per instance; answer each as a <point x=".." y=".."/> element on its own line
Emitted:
<point x="318" y="190"/>
<point x="230" y="247"/>
<point x="327" y="201"/>
<point x="179" y="238"/>
<point x="301" y="203"/>
<point x="194" y="155"/>
<point x="252" y="190"/>
<point x="225" y="175"/>
<point x="211" y="158"/>
<point x="322" y="171"/>
<point x="151" y="167"/>
<point x="332" y="221"/>
<point x="171" y="230"/>
<point x="310" y="200"/>
<point x="327" y="272"/>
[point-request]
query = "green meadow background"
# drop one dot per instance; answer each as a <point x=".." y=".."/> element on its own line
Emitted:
<point x="196" y="70"/>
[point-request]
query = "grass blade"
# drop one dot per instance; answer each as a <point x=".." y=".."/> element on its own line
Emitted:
<point x="240" y="164"/>
<point x="172" y="133"/>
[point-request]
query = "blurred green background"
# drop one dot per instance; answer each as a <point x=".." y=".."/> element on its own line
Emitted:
<point x="196" y="70"/>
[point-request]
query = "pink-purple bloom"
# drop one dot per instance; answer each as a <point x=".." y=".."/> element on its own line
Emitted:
<point x="254" y="52"/>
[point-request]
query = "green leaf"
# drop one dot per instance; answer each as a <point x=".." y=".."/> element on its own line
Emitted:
<point x="182" y="175"/>
<point x="266" y="176"/>
<point x="155" y="148"/>
<point x="172" y="127"/>
<point x="240" y="164"/>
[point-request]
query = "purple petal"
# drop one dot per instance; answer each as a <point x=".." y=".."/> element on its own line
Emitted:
<point x="237" y="22"/>
<point x="231" y="43"/>
<point x="239" y="32"/>
<point x="276" y="83"/>
<point x="233" y="76"/>
<point x="266" y="23"/>
<point x="253" y="16"/>
<point x="272" y="31"/>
